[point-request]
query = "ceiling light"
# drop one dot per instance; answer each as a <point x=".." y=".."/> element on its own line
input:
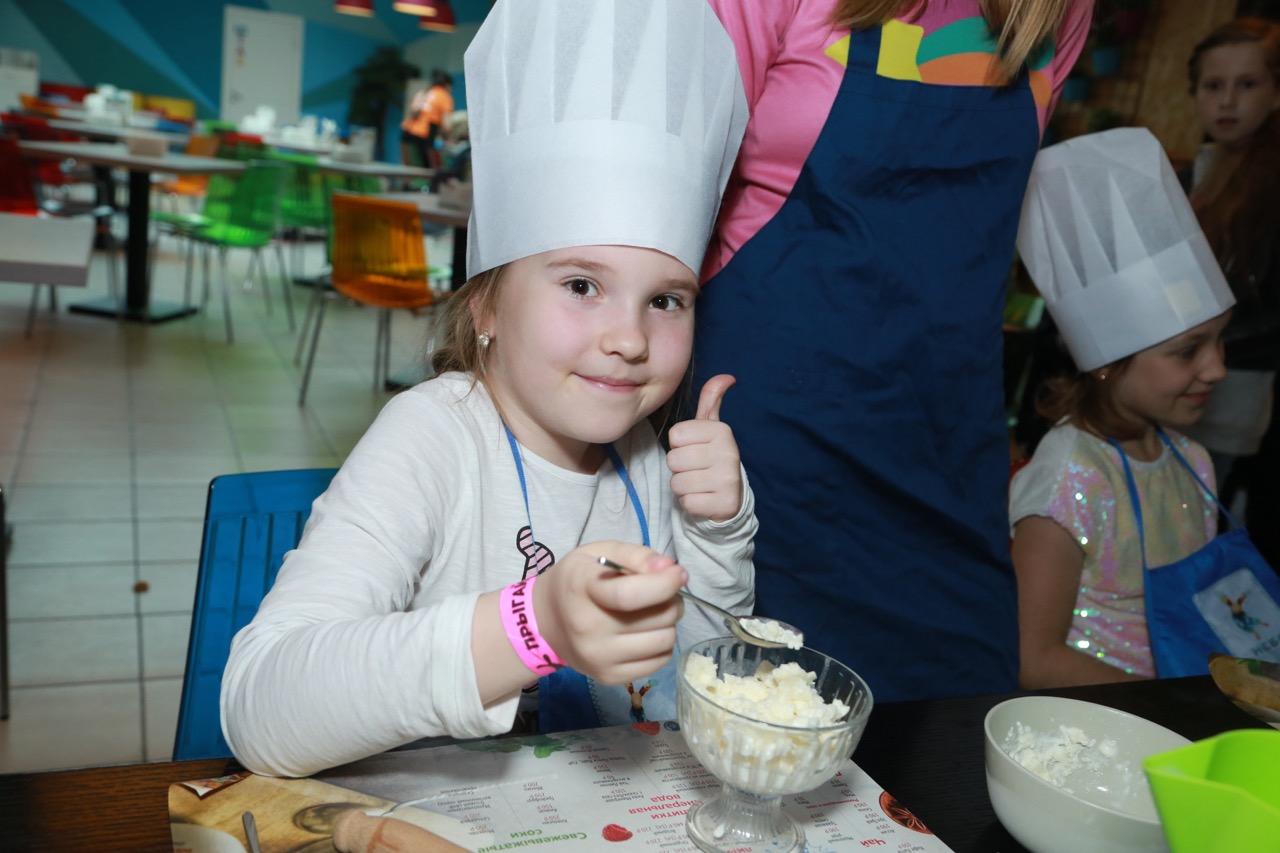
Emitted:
<point x="363" y="8"/>
<point x="441" y="18"/>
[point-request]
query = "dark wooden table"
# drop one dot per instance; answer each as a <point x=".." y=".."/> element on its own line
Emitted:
<point x="927" y="754"/>
<point x="99" y="808"/>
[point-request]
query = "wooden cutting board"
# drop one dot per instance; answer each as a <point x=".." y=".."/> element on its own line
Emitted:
<point x="292" y="815"/>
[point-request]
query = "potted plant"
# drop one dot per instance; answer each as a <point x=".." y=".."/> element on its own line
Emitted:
<point x="380" y="84"/>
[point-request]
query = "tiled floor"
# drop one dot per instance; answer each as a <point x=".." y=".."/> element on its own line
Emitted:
<point x="109" y="435"/>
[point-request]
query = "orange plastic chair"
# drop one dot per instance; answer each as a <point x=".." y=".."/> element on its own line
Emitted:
<point x="190" y="186"/>
<point x="37" y="106"/>
<point x="379" y="259"/>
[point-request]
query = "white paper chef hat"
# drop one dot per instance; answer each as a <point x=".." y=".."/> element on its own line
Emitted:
<point x="599" y="122"/>
<point x="1113" y="246"/>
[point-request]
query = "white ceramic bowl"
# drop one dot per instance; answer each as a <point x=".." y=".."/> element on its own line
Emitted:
<point x="1098" y="799"/>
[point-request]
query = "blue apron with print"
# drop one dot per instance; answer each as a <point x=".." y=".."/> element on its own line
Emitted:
<point x="1222" y="598"/>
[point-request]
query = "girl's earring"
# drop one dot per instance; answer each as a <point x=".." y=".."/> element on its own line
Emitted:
<point x="1102" y="376"/>
<point x="483" y="339"/>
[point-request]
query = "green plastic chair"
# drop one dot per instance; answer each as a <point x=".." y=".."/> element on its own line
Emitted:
<point x="304" y="203"/>
<point x="249" y="220"/>
<point x="214" y="207"/>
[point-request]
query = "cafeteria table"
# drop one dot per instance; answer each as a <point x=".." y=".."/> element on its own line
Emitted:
<point x="372" y="169"/>
<point x="138" y="305"/>
<point x="279" y="142"/>
<point x="927" y="754"/>
<point x="115" y="132"/>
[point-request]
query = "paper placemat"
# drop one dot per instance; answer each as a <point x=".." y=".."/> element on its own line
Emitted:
<point x="621" y="787"/>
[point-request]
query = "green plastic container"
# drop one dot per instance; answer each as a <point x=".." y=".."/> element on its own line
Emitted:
<point x="1220" y="794"/>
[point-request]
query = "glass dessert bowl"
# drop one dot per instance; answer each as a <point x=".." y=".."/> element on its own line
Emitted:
<point x="767" y="723"/>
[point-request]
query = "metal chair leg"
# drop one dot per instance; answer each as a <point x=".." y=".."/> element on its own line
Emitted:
<point x="226" y="292"/>
<point x="311" y="353"/>
<point x="284" y="284"/>
<point x="297" y="256"/>
<point x="379" y="342"/>
<point x="113" y="275"/>
<point x="191" y="263"/>
<point x="386" y="348"/>
<point x="204" y="262"/>
<point x="31" y="311"/>
<point x="317" y="294"/>
<point x="256" y="260"/>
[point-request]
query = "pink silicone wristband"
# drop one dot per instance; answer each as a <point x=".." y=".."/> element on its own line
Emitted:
<point x="516" y="607"/>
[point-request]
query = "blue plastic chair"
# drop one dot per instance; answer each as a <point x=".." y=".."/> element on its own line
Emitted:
<point x="251" y="521"/>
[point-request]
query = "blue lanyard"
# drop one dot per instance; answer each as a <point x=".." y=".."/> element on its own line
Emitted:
<point x="617" y="466"/>
<point x="1133" y="487"/>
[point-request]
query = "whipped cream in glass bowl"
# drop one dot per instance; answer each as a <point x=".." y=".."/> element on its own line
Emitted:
<point x="768" y="723"/>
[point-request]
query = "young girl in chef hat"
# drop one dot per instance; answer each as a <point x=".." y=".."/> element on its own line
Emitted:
<point x="1120" y="575"/>
<point x="454" y="561"/>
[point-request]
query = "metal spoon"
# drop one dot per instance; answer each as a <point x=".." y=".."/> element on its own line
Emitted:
<point x="251" y="832"/>
<point x="733" y="623"/>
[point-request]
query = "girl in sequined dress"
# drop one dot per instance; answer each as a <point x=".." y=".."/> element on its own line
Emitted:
<point x="1082" y="616"/>
<point x="1078" y="545"/>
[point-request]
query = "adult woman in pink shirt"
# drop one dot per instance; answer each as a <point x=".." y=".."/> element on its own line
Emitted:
<point x="854" y="287"/>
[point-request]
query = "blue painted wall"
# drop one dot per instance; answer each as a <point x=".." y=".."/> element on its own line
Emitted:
<point x="174" y="47"/>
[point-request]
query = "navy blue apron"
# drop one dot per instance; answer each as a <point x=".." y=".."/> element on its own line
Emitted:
<point x="567" y="699"/>
<point x="863" y="324"/>
<point x="1222" y="598"/>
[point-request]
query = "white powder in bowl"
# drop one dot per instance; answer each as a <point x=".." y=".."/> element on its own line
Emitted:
<point x="1057" y="756"/>
<point x="768" y="629"/>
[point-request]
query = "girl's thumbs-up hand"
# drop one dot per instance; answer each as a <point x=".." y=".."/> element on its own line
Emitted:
<point x="706" y="474"/>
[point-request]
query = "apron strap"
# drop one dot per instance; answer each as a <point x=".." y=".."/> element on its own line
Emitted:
<point x="1133" y="487"/>
<point x="567" y="699"/>
<point x="1133" y="498"/>
<point x="1185" y="464"/>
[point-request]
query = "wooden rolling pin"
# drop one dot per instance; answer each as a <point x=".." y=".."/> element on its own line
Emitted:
<point x="357" y="832"/>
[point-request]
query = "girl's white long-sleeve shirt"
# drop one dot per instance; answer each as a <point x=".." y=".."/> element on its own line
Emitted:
<point x="364" y="641"/>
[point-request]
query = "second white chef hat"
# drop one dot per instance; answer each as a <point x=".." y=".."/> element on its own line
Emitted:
<point x="1113" y="246"/>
